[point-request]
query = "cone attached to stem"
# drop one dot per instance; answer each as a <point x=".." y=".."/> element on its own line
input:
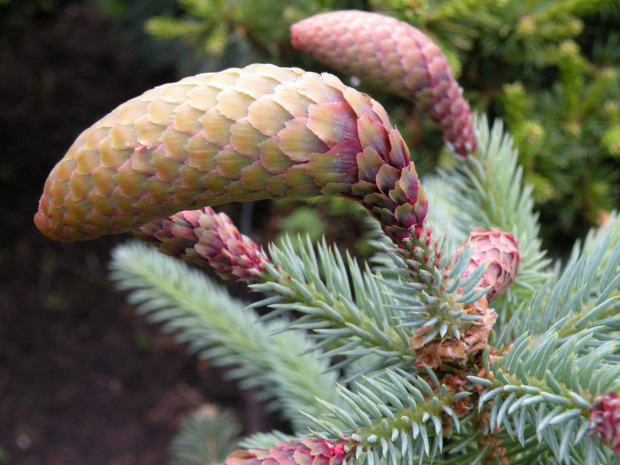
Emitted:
<point x="236" y="135"/>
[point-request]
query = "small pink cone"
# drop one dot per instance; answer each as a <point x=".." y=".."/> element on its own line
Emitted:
<point x="500" y="250"/>
<point x="394" y="55"/>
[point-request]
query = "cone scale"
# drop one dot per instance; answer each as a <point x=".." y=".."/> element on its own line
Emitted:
<point x="235" y="135"/>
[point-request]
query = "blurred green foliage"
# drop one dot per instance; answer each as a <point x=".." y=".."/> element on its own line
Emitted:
<point x="206" y="436"/>
<point x="303" y="221"/>
<point x="339" y="220"/>
<point x="239" y="32"/>
<point x="155" y="55"/>
<point x="550" y="68"/>
<point x="5" y="457"/>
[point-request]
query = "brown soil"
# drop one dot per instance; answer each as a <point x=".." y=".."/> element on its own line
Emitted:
<point x="82" y="379"/>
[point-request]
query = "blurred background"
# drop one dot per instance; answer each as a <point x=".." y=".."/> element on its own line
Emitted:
<point x="85" y="380"/>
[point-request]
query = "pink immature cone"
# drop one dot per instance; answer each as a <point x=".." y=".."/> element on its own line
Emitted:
<point x="304" y="452"/>
<point x="395" y="55"/>
<point x="500" y="251"/>
<point x="605" y="419"/>
<point x="206" y="238"/>
<point x="236" y="135"/>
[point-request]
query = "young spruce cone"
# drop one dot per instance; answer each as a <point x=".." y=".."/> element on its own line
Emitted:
<point x="500" y="250"/>
<point x="394" y="55"/>
<point x="206" y="238"/>
<point x="605" y="419"/>
<point x="236" y="135"/>
<point x="305" y="452"/>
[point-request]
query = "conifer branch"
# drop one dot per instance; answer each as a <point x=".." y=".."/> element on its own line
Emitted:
<point x="544" y="386"/>
<point x="490" y="195"/>
<point x="218" y="327"/>
<point x="351" y="317"/>
<point x="583" y="301"/>
<point x="608" y="231"/>
<point x="419" y="340"/>
<point x="360" y="317"/>
<point x="394" y="416"/>
<point x="428" y="285"/>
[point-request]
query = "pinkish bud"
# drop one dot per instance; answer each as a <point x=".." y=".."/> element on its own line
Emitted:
<point x="500" y="250"/>
<point x="305" y="452"/>
<point x="229" y="252"/>
<point x="173" y="235"/>
<point x="605" y="419"/>
<point x="205" y="237"/>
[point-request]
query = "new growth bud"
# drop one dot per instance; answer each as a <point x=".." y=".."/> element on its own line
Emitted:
<point x="500" y="251"/>
<point x="304" y="452"/>
<point x="456" y="351"/>
<point x="205" y="237"/>
<point x="395" y="55"/>
<point x="605" y="419"/>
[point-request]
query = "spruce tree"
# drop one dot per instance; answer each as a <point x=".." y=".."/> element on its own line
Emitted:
<point x="461" y="343"/>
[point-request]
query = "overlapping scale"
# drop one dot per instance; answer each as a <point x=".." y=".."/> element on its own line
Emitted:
<point x="236" y="135"/>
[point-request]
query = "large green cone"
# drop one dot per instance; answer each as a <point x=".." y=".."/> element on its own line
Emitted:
<point x="394" y="55"/>
<point x="236" y="135"/>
